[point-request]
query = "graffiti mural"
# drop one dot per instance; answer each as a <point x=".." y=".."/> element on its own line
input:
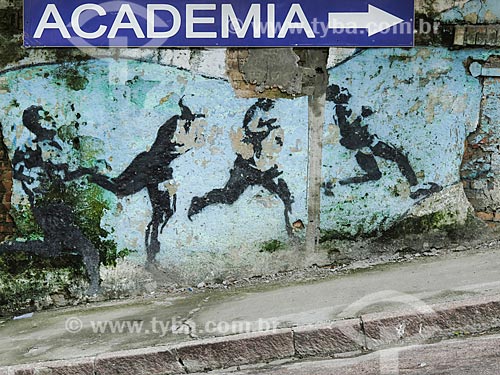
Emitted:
<point x="356" y="137"/>
<point x="135" y="155"/>
<point x="142" y="160"/>
<point x="40" y="169"/>
<point x="250" y="167"/>
<point x="393" y="136"/>
<point x="150" y="169"/>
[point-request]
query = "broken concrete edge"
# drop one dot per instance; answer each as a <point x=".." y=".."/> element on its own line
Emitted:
<point x="418" y="324"/>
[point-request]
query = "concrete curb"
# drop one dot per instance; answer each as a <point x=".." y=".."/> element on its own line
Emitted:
<point x="156" y="360"/>
<point x="337" y="339"/>
<point x="383" y="330"/>
<point x="236" y="350"/>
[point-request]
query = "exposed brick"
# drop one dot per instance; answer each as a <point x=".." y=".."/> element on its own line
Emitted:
<point x="5" y="228"/>
<point x="7" y="187"/>
<point x="6" y="224"/>
<point x="6" y="176"/>
<point x="7" y="197"/>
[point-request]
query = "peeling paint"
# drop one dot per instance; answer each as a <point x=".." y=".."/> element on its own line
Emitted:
<point x="423" y="102"/>
<point x="428" y="119"/>
<point x="122" y="122"/>
<point x="472" y="11"/>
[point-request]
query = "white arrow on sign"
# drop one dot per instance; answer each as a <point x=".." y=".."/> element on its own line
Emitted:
<point x="376" y="20"/>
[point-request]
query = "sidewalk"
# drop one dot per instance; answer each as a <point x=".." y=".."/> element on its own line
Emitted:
<point x="451" y="295"/>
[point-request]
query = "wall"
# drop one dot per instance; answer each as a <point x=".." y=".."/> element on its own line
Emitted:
<point x="105" y="122"/>
<point x="481" y="162"/>
<point x="468" y="11"/>
<point x="163" y="158"/>
<point x="6" y="222"/>
<point x="418" y="97"/>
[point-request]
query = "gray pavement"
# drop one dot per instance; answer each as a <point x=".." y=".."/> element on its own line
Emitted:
<point x="432" y="280"/>
<point x="161" y="320"/>
<point x="472" y="356"/>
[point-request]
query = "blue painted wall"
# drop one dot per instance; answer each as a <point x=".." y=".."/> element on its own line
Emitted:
<point x="119" y="118"/>
<point x="425" y="104"/>
<point x="106" y="112"/>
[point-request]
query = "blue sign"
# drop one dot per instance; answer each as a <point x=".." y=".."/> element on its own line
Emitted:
<point x="223" y="23"/>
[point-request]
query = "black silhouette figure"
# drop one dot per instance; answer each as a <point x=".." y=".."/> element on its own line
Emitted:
<point x="148" y="170"/>
<point x="356" y="137"/>
<point x="56" y="219"/>
<point x="245" y="172"/>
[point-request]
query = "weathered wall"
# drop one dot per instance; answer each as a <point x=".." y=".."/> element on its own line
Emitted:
<point x="469" y="11"/>
<point x="6" y="222"/>
<point x="106" y="122"/>
<point x="418" y="98"/>
<point x="481" y="166"/>
<point x="160" y="157"/>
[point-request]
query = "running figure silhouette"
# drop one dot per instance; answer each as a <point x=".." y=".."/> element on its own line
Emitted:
<point x="249" y="168"/>
<point x="150" y="169"/>
<point x="356" y="137"/>
<point x="39" y="169"/>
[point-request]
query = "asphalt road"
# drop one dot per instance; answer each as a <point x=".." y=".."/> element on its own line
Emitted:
<point x="472" y="356"/>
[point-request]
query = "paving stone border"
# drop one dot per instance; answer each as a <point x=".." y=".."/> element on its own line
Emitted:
<point x="337" y="339"/>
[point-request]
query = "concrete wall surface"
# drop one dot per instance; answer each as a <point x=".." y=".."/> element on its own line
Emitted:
<point x="151" y="164"/>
